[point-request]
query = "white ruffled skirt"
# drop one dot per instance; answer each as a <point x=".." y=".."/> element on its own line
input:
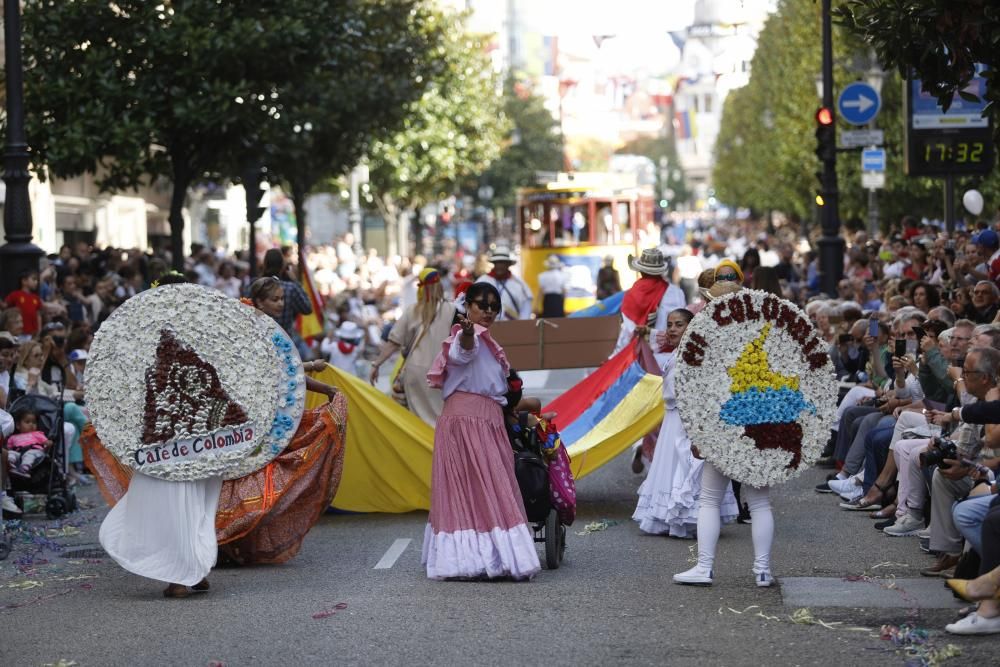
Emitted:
<point x="164" y="530"/>
<point x="668" y="497"/>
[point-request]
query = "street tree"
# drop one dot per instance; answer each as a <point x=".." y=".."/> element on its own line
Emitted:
<point x="941" y="42"/>
<point x="453" y="132"/>
<point x="359" y="89"/>
<point x="133" y="91"/>
<point x="532" y="144"/>
<point x="764" y="152"/>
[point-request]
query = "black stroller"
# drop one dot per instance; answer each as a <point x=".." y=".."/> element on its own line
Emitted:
<point x="49" y="475"/>
<point x="533" y="479"/>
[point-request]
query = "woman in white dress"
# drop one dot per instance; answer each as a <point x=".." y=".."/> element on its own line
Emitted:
<point x="668" y="498"/>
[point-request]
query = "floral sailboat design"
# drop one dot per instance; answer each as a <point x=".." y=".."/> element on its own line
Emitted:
<point x="765" y="403"/>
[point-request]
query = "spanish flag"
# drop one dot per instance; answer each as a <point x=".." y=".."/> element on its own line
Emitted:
<point x="310" y="326"/>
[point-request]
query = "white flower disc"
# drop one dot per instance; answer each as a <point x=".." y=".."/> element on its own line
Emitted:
<point x="184" y="383"/>
<point x="755" y="387"/>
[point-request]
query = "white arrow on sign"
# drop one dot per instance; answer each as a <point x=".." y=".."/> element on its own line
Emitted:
<point x="863" y="103"/>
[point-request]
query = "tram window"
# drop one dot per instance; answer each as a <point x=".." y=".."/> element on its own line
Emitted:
<point x="605" y="225"/>
<point x="624" y="231"/>
<point x="536" y="232"/>
<point x="571" y="224"/>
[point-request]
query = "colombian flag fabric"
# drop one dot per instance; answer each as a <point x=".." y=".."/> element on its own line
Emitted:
<point x="613" y="407"/>
<point x="387" y="459"/>
<point x="311" y="325"/>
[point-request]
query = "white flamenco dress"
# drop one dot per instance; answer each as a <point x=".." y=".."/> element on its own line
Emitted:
<point x="668" y="498"/>
<point x="164" y="530"/>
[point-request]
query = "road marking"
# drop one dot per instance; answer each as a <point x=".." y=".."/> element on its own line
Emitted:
<point x="393" y="554"/>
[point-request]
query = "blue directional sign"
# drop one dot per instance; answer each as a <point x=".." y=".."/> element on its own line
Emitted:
<point x="873" y="159"/>
<point x="858" y="103"/>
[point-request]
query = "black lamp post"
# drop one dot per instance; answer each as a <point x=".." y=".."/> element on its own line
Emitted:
<point x="19" y="254"/>
<point x="831" y="244"/>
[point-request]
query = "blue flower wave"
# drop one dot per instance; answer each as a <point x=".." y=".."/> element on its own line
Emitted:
<point x="767" y="406"/>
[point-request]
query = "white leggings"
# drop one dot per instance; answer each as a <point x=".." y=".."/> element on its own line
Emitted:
<point x="713" y="489"/>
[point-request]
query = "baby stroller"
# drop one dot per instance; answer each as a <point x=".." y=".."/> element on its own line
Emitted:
<point x="49" y="475"/>
<point x="542" y="470"/>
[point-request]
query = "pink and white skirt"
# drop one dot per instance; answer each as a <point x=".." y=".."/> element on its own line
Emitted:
<point x="477" y="526"/>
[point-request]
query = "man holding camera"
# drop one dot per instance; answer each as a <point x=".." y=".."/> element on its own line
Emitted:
<point x="955" y="474"/>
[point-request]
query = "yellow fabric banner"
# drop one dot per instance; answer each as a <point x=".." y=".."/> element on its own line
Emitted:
<point x="387" y="460"/>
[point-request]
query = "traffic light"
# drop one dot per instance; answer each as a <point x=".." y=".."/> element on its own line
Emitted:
<point x="826" y="138"/>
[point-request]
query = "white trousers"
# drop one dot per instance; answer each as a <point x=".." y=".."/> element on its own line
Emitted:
<point x="713" y="489"/>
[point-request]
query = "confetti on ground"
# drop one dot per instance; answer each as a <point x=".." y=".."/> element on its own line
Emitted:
<point x="597" y="526"/>
<point x="327" y="613"/>
<point x="62" y="662"/>
<point x="913" y="645"/>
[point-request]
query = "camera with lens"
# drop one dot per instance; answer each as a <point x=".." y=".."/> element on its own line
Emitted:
<point x="942" y="449"/>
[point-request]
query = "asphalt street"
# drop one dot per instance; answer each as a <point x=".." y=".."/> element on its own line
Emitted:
<point x="356" y="594"/>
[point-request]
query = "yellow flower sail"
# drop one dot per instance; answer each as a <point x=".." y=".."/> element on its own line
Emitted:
<point x="752" y="370"/>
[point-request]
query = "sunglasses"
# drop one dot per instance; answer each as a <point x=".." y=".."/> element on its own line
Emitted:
<point x="492" y="306"/>
<point x="727" y="276"/>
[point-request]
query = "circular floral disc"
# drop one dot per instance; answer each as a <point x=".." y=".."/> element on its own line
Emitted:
<point x="185" y="383"/>
<point x="755" y="387"/>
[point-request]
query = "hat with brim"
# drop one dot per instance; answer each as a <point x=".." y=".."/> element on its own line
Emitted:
<point x="553" y="262"/>
<point x="651" y="262"/>
<point x="501" y="255"/>
<point x="78" y="355"/>
<point x="349" y="330"/>
<point x="8" y="337"/>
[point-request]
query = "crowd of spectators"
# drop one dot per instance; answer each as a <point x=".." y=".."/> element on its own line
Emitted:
<point x="913" y="333"/>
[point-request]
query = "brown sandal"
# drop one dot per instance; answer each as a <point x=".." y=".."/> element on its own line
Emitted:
<point x="176" y="591"/>
<point x="201" y="585"/>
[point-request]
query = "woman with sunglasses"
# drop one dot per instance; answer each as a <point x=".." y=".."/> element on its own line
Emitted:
<point x="477" y="526"/>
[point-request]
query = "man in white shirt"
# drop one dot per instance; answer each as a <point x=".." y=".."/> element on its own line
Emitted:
<point x="552" y="284"/>
<point x="515" y="297"/>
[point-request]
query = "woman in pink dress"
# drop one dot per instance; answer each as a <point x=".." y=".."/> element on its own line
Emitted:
<point x="477" y="526"/>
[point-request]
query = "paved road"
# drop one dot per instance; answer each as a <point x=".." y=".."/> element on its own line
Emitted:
<point x="611" y="602"/>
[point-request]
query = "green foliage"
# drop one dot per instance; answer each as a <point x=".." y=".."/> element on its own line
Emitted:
<point x="367" y="74"/>
<point x="940" y="40"/>
<point x="455" y="130"/>
<point x="135" y="90"/>
<point x="531" y="145"/>
<point x="765" y="150"/>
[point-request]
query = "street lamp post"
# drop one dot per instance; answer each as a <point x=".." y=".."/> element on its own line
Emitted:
<point x="19" y="254"/>
<point x="359" y="176"/>
<point x="831" y="245"/>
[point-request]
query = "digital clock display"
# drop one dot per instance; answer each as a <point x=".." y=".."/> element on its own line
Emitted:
<point x="938" y="150"/>
<point x="939" y="153"/>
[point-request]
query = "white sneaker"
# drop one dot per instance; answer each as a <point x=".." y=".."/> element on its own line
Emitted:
<point x="763" y="579"/>
<point x="974" y="624"/>
<point x="9" y="505"/>
<point x="905" y="526"/>
<point x="696" y="576"/>
<point x="852" y="494"/>
<point x="924" y="534"/>
<point x="843" y="486"/>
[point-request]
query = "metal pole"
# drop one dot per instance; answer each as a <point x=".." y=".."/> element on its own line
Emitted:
<point x="354" y="215"/>
<point x="873" y="213"/>
<point x="831" y="245"/>
<point x="19" y="254"/>
<point x="949" y="203"/>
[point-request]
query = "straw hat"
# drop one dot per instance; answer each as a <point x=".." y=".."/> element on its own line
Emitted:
<point x="349" y="331"/>
<point x="553" y="262"/>
<point x="502" y="254"/>
<point x="651" y="261"/>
